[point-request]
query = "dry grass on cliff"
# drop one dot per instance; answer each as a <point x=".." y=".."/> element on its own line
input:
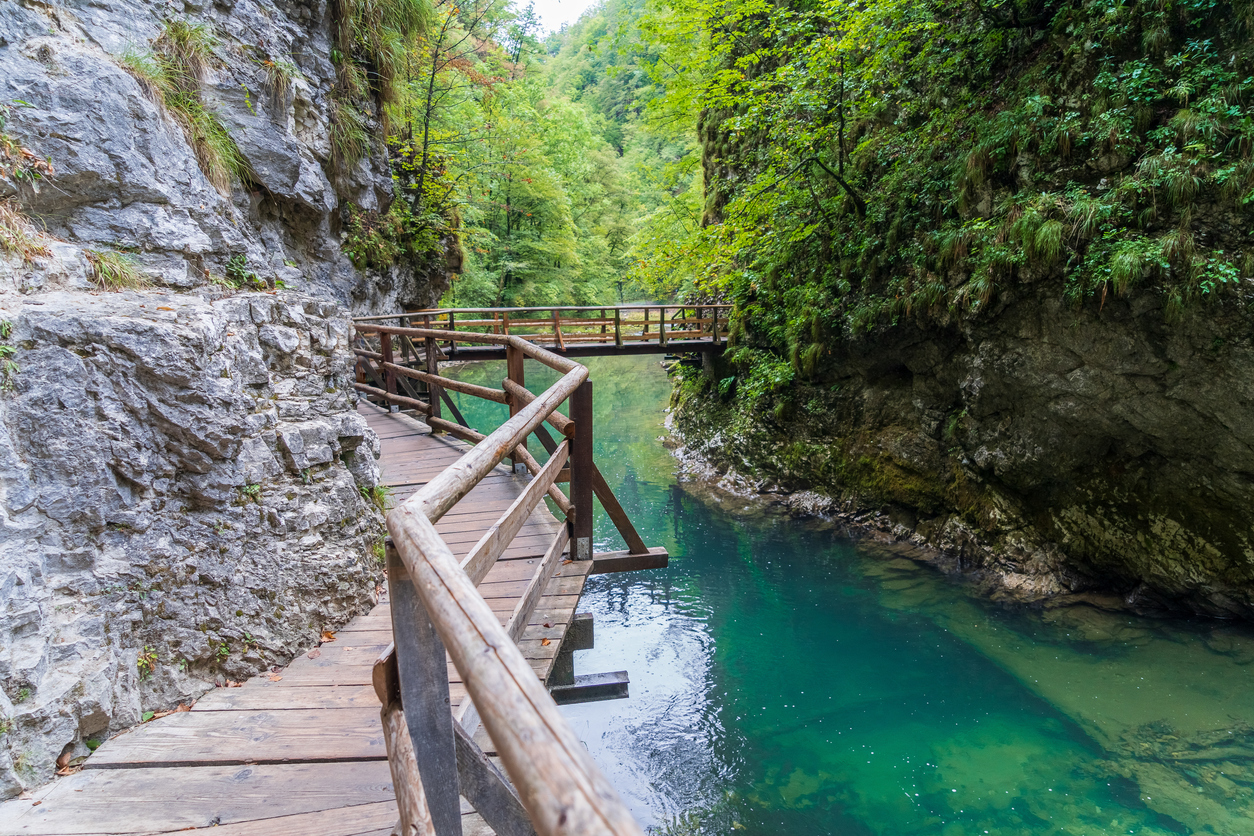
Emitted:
<point x="18" y="235"/>
<point x="170" y="75"/>
<point x="116" y="271"/>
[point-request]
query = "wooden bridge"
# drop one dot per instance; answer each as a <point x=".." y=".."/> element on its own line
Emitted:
<point x="402" y="723"/>
<point x="581" y="331"/>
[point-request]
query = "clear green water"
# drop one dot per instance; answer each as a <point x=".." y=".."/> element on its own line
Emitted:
<point x="786" y="680"/>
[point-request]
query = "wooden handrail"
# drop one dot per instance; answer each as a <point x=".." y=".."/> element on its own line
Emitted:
<point x="561" y="788"/>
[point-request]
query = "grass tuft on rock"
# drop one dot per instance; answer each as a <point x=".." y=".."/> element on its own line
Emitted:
<point x="171" y="74"/>
<point x="18" y="235"/>
<point x="115" y="271"/>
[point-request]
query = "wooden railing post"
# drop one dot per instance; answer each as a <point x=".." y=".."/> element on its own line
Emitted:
<point x="452" y="328"/>
<point x="661" y="328"/>
<point x="618" y="327"/>
<point x="645" y="332"/>
<point x="433" y="368"/>
<point x="582" y="469"/>
<point x="515" y="370"/>
<point x="389" y="377"/>
<point x="423" y="668"/>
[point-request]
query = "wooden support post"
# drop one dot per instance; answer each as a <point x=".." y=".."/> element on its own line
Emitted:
<point x="452" y="327"/>
<point x="433" y="367"/>
<point x="661" y="328"/>
<point x="603" y="324"/>
<point x="423" y="668"/>
<point x="506" y="316"/>
<point x="406" y="345"/>
<point x="645" y="332"/>
<point x="618" y="327"/>
<point x="488" y="790"/>
<point x="516" y="372"/>
<point x="581" y="471"/>
<point x="717" y="337"/>
<point x="389" y="378"/>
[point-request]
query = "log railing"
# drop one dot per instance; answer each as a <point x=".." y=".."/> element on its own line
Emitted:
<point x="553" y="785"/>
<point x="565" y="326"/>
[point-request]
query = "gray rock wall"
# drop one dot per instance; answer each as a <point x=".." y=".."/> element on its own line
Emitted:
<point x="179" y="477"/>
<point x="126" y="176"/>
<point x="1048" y="448"/>
<point x="181" y="468"/>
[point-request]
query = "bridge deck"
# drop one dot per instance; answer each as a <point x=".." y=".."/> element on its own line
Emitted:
<point x="301" y="751"/>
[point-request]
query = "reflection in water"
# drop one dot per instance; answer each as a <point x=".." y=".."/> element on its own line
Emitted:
<point x="788" y="680"/>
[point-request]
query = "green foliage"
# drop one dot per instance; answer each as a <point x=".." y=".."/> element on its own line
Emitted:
<point x="238" y="275"/>
<point x="378" y="240"/>
<point x="864" y="164"/>
<point x="146" y="662"/>
<point x="380" y="496"/>
<point x="171" y="74"/>
<point x="115" y="271"/>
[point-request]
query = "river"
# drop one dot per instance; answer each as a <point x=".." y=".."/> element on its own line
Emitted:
<point x="787" y="680"/>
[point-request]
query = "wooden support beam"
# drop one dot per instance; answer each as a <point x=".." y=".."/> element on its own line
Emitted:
<point x="402" y="761"/>
<point x="423" y="676"/>
<point x="389" y="379"/>
<point x="485" y="392"/>
<point x="452" y="407"/>
<point x="488" y="790"/>
<point x="535" y="587"/>
<point x="581" y="469"/>
<point x="600" y="487"/>
<point x="516" y="373"/>
<point x="495" y="540"/>
<point x="593" y="687"/>
<point x="433" y="369"/>
<point x="604" y="563"/>
<point x="401" y="400"/>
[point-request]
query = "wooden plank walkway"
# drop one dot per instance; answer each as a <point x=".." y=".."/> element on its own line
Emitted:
<point x="302" y="752"/>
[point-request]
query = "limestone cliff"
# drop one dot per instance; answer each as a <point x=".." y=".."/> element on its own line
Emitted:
<point x="187" y="494"/>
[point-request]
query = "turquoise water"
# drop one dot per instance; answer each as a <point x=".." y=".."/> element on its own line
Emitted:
<point x="787" y="680"/>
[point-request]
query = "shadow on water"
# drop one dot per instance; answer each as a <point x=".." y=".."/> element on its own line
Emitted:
<point x="787" y="680"/>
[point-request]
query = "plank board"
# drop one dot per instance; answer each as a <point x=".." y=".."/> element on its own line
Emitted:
<point x="157" y="799"/>
<point x="237" y="737"/>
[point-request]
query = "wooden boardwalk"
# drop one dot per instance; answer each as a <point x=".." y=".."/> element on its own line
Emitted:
<point x="302" y="751"/>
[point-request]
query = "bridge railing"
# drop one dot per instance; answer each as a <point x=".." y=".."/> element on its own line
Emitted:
<point x="437" y="609"/>
<point x="562" y="326"/>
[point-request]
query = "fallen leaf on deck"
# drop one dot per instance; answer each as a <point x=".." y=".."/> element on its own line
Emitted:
<point x="35" y="803"/>
<point x="164" y="308"/>
<point x="314" y="654"/>
<point x="230" y="683"/>
<point x="564" y="562"/>
<point x="328" y="635"/>
<point x="545" y="642"/>
<point x="548" y="624"/>
<point x="274" y="677"/>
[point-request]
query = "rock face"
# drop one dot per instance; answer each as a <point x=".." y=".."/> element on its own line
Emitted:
<point x="183" y="499"/>
<point x="127" y="177"/>
<point x="1048" y="448"/>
